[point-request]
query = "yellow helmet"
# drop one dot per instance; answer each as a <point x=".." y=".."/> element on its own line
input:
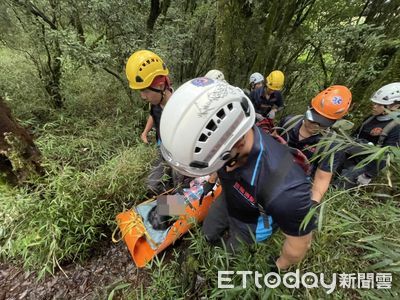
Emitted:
<point x="275" y="80"/>
<point x="142" y="67"/>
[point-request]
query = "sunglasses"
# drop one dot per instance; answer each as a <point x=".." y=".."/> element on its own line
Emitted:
<point x="316" y="123"/>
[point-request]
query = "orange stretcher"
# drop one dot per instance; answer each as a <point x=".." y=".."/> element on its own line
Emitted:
<point x="137" y="239"/>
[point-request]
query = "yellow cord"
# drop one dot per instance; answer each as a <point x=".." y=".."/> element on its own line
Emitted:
<point x="135" y="220"/>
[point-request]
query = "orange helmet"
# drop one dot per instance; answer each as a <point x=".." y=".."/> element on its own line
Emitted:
<point x="333" y="102"/>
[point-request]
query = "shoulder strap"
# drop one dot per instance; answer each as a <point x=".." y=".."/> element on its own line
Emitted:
<point x="385" y="131"/>
<point x="363" y="124"/>
<point x="266" y="189"/>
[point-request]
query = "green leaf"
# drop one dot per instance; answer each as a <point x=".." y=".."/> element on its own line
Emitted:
<point x="118" y="287"/>
<point x="371" y="238"/>
<point x="380" y="265"/>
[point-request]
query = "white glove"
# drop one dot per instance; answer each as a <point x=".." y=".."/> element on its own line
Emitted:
<point x="363" y="179"/>
<point x="259" y="117"/>
<point x="271" y="114"/>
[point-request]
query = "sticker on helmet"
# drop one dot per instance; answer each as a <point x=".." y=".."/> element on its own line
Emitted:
<point x="337" y="100"/>
<point x="202" y="81"/>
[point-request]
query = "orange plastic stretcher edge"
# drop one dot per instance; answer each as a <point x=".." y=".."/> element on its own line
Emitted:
<point x="135" y="237"/>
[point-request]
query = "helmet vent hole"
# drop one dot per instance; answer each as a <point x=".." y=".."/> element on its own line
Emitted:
<point x="138" y="79"/>
<point x="203" y="137"/>
<point x="140" y="69"/>
<point x="198" y="164"/>
<point x="211" y="125"/>
<point x="143" y="64"/>
<point x="197" y="150"/>
<point x="245" y="106"/>
<point x="148" y="61"/>
<point x="230" y="106"/>
<point x="221" y="114"/>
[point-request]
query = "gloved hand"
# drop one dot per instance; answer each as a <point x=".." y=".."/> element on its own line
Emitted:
<point x="259" y="117"/>
<point x="271" y="114"/>
<point x="363" y="179"/>
<point x="207" y="187"/>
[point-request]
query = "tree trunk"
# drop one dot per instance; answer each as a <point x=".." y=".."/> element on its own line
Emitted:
<point x="232" y="46"/>
<point x="156" y="8"/>
<point x="19" y="156"/>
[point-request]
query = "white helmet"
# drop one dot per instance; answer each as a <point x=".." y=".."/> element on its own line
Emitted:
<point x="215" y="74"/>
<point x="201" y="123"/>
<point x="256" y="78"/>
<point x="388" y="94"/>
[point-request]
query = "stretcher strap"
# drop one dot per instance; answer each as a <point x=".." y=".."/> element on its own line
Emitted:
<point x="135" y="221"/>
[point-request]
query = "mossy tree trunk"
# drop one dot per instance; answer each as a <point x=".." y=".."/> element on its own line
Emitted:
<point x="19" y="156"/>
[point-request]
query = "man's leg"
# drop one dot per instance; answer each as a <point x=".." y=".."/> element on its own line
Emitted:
<point x="349" y="176"/>
<point x="179" y="181"/>
<point x="157" y="180"/>
<point x="240" y="234"/>
<point x="216" y="221"/>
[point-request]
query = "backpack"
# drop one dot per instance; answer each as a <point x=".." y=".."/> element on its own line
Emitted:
<point x="385" y="130"/>
<point x="267" y="125"/>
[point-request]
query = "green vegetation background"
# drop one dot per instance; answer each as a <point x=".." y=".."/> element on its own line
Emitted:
<point x="64" y="79"/>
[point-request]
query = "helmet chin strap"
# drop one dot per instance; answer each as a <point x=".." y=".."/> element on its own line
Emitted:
<point x="158" y="91"/>
<point x="162" y="97"/>
<point x="384" y="117"/>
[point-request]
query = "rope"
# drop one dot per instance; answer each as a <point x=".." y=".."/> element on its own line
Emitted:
<point x="135" y="220"/>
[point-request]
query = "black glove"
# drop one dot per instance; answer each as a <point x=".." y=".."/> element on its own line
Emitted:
<point x="207" y="187"/>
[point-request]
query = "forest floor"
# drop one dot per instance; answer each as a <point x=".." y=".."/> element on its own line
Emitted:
<point x="95" y="278"/>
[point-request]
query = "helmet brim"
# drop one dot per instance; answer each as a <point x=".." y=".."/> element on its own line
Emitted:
<point x="381" y="102"/>
<point x="313" y="116"/>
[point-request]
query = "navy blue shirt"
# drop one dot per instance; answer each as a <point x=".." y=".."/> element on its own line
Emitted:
<point x="155" y="112"/>
<point x="272" y="179"/>
<point x="309" y="147"/>
<point x="263" y="103"/>
<point x="372" y="130"/>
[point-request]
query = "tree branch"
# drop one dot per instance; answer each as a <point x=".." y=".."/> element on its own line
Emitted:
<point x="323" y="65"/>
<point x="115" y="74"/>
<point x="37" y="12"/>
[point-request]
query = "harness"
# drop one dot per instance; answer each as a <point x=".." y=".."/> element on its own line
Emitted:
<point x="385" y="130"/>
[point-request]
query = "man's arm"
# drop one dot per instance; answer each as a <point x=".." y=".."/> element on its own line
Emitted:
<point x="294" y="250"/>
<point x="147" y="128"/>
<point x="320" y="185"/>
